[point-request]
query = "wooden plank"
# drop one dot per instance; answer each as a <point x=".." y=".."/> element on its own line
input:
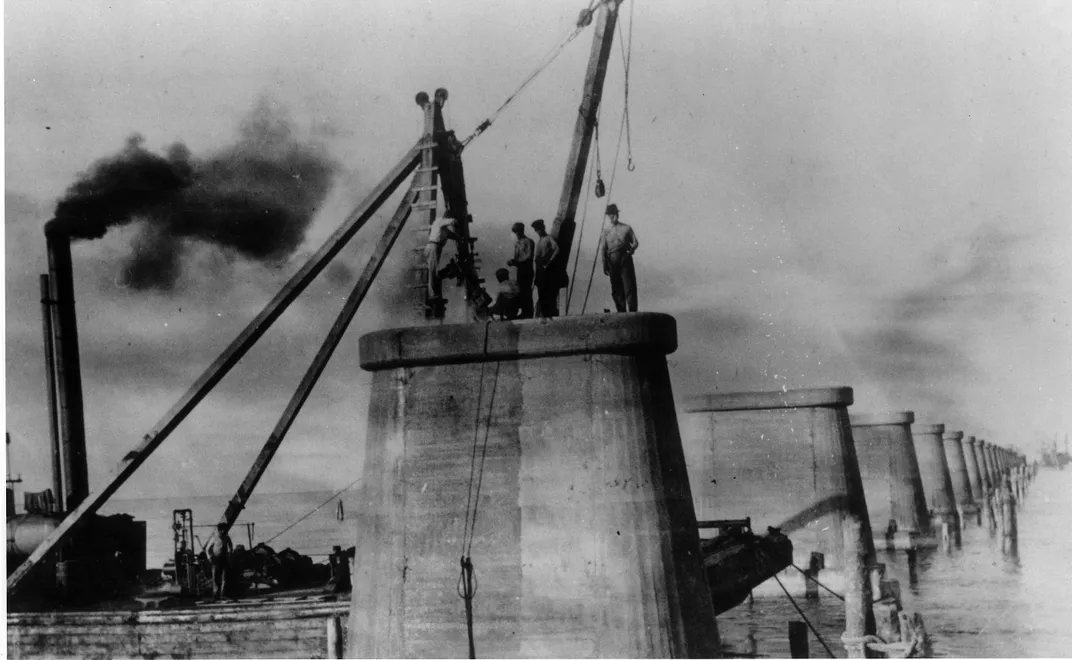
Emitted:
<point x="320" y="361"/>
<point x="223" y="364"/>
<point x="157" y="617"/>
<point x="564" y="225"/>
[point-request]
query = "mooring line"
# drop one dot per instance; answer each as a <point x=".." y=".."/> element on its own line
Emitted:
<point x="802" y="616"/>
<point x="812" y="578"/>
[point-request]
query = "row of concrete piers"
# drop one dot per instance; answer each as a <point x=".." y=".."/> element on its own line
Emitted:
<point x="528" y="491"/>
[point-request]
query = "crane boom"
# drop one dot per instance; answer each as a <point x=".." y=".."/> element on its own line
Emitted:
<point x="564" y="225"/>
<point x="320" y="362"/>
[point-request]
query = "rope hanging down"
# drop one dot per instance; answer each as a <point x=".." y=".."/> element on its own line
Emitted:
<point x="603" y="224"/>
<point x="582" y="22"/>
<point x="627" y="57"/>
<point x="627" y="60"/>
<point x="467" y="582"/>
<point x="584" y="219"/>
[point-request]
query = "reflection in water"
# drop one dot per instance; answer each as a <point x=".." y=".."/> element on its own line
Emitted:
<point x="976" y="601"/>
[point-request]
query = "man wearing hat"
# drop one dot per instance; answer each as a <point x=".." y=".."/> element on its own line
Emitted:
<point x="619" y="244"/>
<point x="524" y="249"/>
<point x="546" y="253"/>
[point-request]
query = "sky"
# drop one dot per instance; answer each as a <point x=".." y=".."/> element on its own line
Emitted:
<point x="825" y="193"/>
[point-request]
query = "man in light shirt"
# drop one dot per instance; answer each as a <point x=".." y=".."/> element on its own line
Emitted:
<point x="508" y="303"/>
<point x="438" y="233"/>
<point x="219" y="553"/>
<point x="619" y="244"/>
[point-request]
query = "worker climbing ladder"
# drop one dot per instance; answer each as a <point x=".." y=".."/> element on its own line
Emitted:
<point x="441" y="169"/>
<point x="426" y="188"/>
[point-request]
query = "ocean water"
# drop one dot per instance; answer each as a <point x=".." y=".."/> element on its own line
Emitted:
<point x="975" y="601"/>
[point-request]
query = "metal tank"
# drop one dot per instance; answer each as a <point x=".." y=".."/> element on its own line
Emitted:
<point x="27" y="531"/>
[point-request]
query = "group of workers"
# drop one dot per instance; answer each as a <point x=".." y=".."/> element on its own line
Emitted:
<point x="536" y="265"/>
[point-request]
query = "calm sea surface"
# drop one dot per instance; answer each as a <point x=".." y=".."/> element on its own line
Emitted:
<point x="975" y="602"/>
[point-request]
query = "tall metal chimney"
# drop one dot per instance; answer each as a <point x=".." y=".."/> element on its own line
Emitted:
<point x="50" y="376"/>
<point x="72" y="431"/>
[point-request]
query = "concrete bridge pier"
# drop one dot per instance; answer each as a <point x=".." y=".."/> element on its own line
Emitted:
<point x="892" y="483"/>
<point x="958" y="474"/>
<point x="787" y="459"/>
<point x="974" y="478"/>
<point x="937" y="485"/>
<point x="548" y="455"/>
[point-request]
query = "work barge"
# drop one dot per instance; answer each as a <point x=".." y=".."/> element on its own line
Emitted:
<point x="528" y="487"/>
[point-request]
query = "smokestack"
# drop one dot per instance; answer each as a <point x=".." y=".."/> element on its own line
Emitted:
<point x="50" y="377"/>
<point x="68" y="370"/>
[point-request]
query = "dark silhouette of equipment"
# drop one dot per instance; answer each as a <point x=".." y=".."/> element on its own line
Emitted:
<point x="737" y="561"/>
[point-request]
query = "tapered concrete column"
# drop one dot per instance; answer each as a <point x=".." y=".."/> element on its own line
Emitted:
<point x="991" y="470"/>
<point x="934" y="469"/>
<point x="785" y="459"/>
<point x="958" y="474"/>
<point x="557" y="445"/>
<point x="890" y="471"/>
<point x="975" y="481"/>
<point x="980" y="462"/>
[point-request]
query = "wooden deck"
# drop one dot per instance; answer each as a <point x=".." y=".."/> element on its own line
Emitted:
<point x="301" y="627"/>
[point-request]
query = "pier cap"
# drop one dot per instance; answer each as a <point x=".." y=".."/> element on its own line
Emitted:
<point x="928" y="429"/>
<point x="644" y="333"/>
<point x="970" y="439"/>
<point x="953" y="435"/>
<point x="882" y="419"/>
<point x="818" y="397"/>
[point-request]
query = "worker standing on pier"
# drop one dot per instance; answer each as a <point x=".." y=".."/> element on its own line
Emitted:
<point x="524" y="249"/>
<point x="619" y="244"/>
<point x="544" y="259"/>
<point x="219" y="553"/>
<point x="438" y="233"/>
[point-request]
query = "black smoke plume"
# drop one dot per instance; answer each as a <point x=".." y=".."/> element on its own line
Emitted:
<point x="255" y="198"/>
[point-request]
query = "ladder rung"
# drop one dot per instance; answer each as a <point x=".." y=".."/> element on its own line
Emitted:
<point x="424" y="205"/>
<point x="424" y="188"/>
<point x="421" y="170"/>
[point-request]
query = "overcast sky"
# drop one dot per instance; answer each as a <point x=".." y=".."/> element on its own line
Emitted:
<point x="825" y="193"/>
